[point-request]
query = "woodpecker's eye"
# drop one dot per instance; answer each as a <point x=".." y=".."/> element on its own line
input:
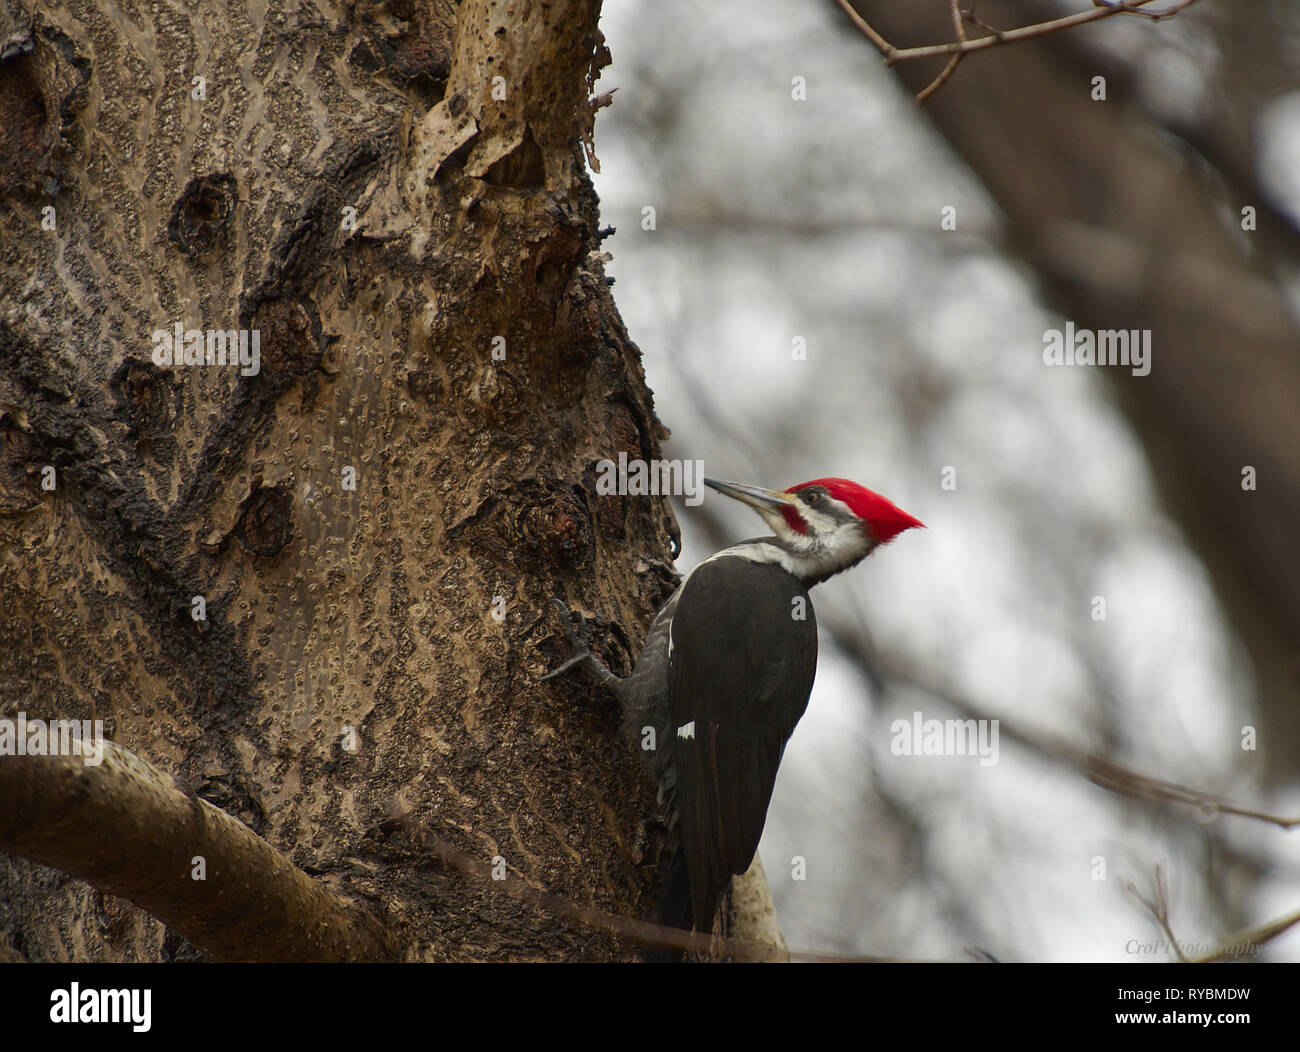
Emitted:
<point x="811" y="497"/>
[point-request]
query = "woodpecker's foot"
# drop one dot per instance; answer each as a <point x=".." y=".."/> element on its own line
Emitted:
<point x="581" y="645"/>
<point x="578" y="638"/>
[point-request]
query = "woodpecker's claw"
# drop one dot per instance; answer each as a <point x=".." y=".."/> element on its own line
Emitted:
<point x="577" y="638"/>
<point x="584" y="656"/>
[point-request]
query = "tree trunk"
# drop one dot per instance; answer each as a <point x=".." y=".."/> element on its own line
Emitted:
<point x="317" y="592"/>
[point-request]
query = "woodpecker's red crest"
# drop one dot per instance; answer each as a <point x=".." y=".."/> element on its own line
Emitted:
<point x="882" y="517"/>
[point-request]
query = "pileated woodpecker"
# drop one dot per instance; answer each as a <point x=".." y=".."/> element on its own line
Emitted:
<point x="725" y="675"/>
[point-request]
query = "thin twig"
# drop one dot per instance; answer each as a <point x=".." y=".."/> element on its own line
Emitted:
<point x="1227" y="948"/>
<point x="1232" y="946"/>
<point x="953" y="62"/>
<point x="1119" y="779"/>
<point x="1159" y="907"/>
<point x="1102" y="772"/>
<point x="964" y="45"/>
<point x="886" y="48"/>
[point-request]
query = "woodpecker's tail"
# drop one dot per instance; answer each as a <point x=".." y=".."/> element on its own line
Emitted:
<point x="673" y="909"/>
<point x="674" y="906"/>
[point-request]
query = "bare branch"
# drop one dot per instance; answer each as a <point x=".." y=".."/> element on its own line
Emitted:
<point x="1229" y="947"/>
<point x="1119" y="779"/>
<point x="960" y="29"/>
<point x="129" y="829"/>
<point x="964" y="45"/>
<point x="886" y="48"/>
<point x="1100" y="771"/>
<point x="1158" y="907"/>
<point x="1232" y="946"/>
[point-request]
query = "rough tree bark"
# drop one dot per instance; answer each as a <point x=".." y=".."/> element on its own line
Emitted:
<point x="394" y="196"/>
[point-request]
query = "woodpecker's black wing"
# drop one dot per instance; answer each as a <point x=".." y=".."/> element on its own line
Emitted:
<point x="742" y="660"/>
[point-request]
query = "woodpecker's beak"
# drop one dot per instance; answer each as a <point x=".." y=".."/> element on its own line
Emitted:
<point x="759" y="499"/>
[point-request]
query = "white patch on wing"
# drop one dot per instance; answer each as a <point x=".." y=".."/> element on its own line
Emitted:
<point x="686" y="730"/>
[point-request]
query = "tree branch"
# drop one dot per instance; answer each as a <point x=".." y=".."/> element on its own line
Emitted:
<point x="964" y="45"/>
<point x="1233" y="946"/>
<point x="958" y="27"/>
<point x="1228" y="948"/>
<point x="1100" y="771"/>
<point x="129" y="829"/>
<point x="1158" y="907"/>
